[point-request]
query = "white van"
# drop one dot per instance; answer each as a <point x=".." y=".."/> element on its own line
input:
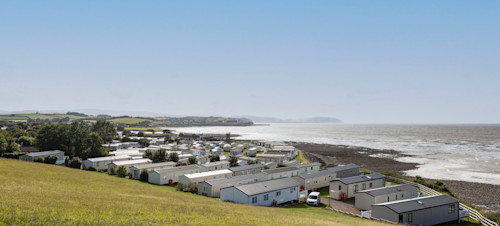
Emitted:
<point x="313" y="199"/>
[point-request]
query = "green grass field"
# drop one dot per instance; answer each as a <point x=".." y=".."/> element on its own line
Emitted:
<point x="129" y="120"/>
<point x="47" y="194"/>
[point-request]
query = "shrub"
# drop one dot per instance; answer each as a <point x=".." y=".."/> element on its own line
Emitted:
<point x="92" y="169"/>
<point x="214" y="158"/>
<point x="144" y="176"/>
<point x="192" y="160"/>
<point x="38" y="159"/>
<point x="112" y="171"/>
<point x="173" y="156"/>
<point x="121" y="171"/>
<point x="250" y="162"/>
<point x="233" y="161"/>
<point x="50" y="159"/>
<point x="75" y="163"/>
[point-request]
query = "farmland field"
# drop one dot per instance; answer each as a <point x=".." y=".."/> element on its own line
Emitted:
<point x="129" y="120"/>
<point x="25" y="117"/>
<point x="35" y="193"/>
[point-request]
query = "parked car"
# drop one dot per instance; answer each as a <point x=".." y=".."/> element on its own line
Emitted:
<point x="313" y="199"/>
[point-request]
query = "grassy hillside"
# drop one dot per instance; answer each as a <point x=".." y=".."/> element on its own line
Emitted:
<point x="48" y="194"/>
<point x="25" y="117"/>
<point x="129" y="120"/>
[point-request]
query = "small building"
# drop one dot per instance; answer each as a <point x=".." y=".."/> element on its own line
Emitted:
<point x="164" y="176"/>
<point x="198" y="152"/>
<point x="277" y="158"/>
<point x="312" y="167"/>
<point x="246" y="169"/>
<point x="349" y="186"/>
<point x="264" y="193"/>
<point x="236" y="152"/>
<point x="349" y="170"/>
<point x="428" y="210"/>
<point x="136" y="170"/>
<point x="211" y="188"/>
<point x="316" y="180"/>
<point x="252" y="152"/>
<point x="218" y="165"/>
<point x="365" y="199"/>
<point x="127" y="164"/>
<point x="30" y="157"/>
<point x="283" y="172"/>
<point x="287" y="150"/>
<point x="101" y="163"/>
<point x="196" y="178"/>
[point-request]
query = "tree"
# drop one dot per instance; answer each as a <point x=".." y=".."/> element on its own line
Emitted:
<point x="159" y="156"/>
<point x="173" y="156"/>
<point x="95" y="146"/>
<point x="250" y="162"/>
<point x="233" y="161"/>
<point x="144" y="142"/>
<point x="214" y="158"/>
<point x="144" y="176"/>
<point x="192" y="160"/>
<point x="26" y="141"/>
<point x="76" y="163"/>
<point x="121" y="171"/>
<point x="105" y="129"/>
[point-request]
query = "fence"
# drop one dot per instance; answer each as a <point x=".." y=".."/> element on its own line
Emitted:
<point x="474" y="214"/>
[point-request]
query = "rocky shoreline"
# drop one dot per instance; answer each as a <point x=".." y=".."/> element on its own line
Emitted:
<point x="485" y="196"/>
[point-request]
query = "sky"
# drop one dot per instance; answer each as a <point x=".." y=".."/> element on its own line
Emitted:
<point x="358" y="61"/>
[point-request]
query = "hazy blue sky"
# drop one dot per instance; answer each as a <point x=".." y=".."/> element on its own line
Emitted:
<point x="360" y="61"/>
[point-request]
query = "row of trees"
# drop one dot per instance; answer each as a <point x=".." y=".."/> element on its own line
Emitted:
<point x="161" y="156"/>
<point x="77" y="139"/>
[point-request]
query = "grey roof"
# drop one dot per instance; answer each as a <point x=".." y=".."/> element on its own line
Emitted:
<point x="208" y="164"/>
<point x="407" y="205"/>
<point x="316" y="174"/>
<point x="43" y="153"/>
<point x="389" y="190"/>
<point x="357" y="179"/>
<point x="267" y="186"/>
<point x="179" y="168"/>
<point x="152" y="165"/>
<point x="232" y="179"/>
<point x="280" y="170"/>
<point x="302" y="165"/>
<point x="246" y="167"/>
<point x="344" y="167"/>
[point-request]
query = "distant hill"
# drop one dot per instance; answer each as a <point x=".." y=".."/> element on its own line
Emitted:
<point x="257" y="119"/>
<point x="41" y="194"/>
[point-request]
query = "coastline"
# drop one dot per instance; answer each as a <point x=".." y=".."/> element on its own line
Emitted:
<point x="485" y="196"/>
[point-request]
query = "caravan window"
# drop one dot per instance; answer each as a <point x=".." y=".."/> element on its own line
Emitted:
<point x="410" y="218"/>
<point x="254" y="199"/>
<point x="451" y="208"/>
<point x="266" y="197"/>
<point x="355" y="188"/>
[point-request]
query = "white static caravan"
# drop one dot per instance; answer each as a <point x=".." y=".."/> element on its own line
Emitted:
<point x="349" y="170"/>
<point x="137" y="169"/>
<point x="127" y="164"/>
<point x="365" y="199"/>
<point x="314" y="181"/>
<point x="211" y="188"/>
<point x="429" y="210"/>
<point x="312" y="167"/>
<point x="283" y="172"/>
<point x="211" y="166"/>
<point x="263" y="193"/>
<point x="196" y="178"/>
<point x="30" y="157"/>
<point x="101" y="163"/>
<point x="277" y="158"/>
<point x="164" y="176"/>
<point x="246" y="169"/>
<point x="350" y="185"/>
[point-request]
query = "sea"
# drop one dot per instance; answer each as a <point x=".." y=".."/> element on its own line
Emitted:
<point x="464" y="152"/>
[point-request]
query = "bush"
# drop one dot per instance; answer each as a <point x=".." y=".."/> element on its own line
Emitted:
<point x="38" y="159"/>
<point x="214" y="158"/>
<point x="192" y="160"/>
<point x="92" y="169"/>
<point x="121" y="171"/>
<point x="193" y="188"/>
<point x="144" y="176"/>
<point x="75" y="163"/>
<point x="50" y="159"/>
<point x="112" y="171"/>
<point x="250" y="162"/>
<point x="173" y="156"/>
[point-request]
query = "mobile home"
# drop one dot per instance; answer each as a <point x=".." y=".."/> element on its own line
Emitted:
<point x="264" y="193"/>
<point x="211" y="188"/>
<point x="349" y="186"/>
<point x="365" y="199"/>
<point x="165" y="176"/>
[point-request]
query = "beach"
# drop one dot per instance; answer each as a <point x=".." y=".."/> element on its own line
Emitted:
<point x="486" y="196"/>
